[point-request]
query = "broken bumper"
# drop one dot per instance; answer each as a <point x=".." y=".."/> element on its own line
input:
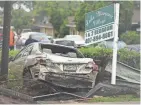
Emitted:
<point x="69" y="80"/>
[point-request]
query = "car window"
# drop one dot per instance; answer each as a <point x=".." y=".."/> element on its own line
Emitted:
<point x="74" y="37"/>
<point x="67" y="43"/>
<point x="25" y="52"/>
<point x="39" y="36"/>
<point x="61" y="51"/>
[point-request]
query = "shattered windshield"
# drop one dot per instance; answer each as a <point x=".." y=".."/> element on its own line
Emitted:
<point x="61" y="51"/>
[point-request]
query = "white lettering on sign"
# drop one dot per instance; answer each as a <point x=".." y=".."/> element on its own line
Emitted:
<point x="100" y="13"/>
<point x="90" y="20"/>
<point x="99" y="34"/>
<point x="97" y="22"/>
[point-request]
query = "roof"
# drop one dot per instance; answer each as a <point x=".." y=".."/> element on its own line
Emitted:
<point x="42" y="21"/>
<point x="49" y="25"/>
<point x="71" y="21"/>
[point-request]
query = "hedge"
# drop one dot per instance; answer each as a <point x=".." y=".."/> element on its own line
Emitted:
<point x="131" y="58"/>
<point x="12" y="53"/>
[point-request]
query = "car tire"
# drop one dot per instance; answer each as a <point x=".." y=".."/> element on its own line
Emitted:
<point x="27" y="78"/>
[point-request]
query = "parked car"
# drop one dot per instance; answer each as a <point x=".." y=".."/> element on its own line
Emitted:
<point x="56" y="64"/>
<point x="79" y="41"/>
<point x="134" y="47"/>
<point x="41" y="37"/>
<point x="109" y="44"/>
<point x="26" y="30"/>
<point x="65" y="42"/>
<point x="35" y="35"/>
<point x="50" y="38"/>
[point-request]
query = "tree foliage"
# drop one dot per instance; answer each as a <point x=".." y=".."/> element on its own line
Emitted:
<point x="126" y="11"/>
<point x="131" y="37"/>
<point x="84" y="8"/>
<point x="21" y="19"/>
<point x="58" y="12"/>
<point x="63" y="29"/>
<point x="125" y="16"/>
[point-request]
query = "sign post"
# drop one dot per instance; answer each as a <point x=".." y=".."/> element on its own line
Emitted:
<point x="114" y="62"/>
<point x="102" y="25"/>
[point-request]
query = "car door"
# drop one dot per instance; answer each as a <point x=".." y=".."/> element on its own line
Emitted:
<point x="17" y="65"/>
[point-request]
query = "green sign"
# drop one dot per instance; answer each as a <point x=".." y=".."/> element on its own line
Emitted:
<point x="99" y="25"/>
<point x="100" y="17"/>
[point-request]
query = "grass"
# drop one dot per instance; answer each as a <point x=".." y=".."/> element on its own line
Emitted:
<point x="120" y="98"/>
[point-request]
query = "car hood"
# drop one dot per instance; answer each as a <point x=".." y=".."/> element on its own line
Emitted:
<point x="61" y="59"/>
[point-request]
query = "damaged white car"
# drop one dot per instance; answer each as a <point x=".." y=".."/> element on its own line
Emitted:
<point x="56" y="64"/>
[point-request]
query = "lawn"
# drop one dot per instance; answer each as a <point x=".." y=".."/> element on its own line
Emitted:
<point x="120" y="98"/>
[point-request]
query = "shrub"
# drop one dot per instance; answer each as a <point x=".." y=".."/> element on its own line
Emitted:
<point x="131" y="58"/>
<point x="96" y="52"/>
<point x="13" y="53"/>
<point x="126" y="56"/>
<point x="131" y="37"/>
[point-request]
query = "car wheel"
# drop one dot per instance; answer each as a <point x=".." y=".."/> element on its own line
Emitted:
<point x="27" y="78"/>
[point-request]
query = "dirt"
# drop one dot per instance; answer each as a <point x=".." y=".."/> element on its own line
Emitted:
<point x="9" y="100"/>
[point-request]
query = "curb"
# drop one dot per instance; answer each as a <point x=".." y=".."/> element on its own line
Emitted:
<point x="14" y="94"/>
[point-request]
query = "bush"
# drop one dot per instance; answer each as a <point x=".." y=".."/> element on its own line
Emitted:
<point x="99" y="54"/>
<point x="126" y="56"/>
<point x="96" y="52"/>
<point x="13" y="53"/>
<point x="131" y="37"/>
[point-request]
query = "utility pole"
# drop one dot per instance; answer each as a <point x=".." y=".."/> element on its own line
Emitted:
<point x="5" y="43"/>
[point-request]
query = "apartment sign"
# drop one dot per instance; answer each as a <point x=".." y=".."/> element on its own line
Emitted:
<point x="99" y="25"/>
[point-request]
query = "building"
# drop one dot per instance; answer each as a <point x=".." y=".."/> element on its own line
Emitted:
<point x="72" y="27"/>
<point x="43" y="25"/>
<point x="136" y="17"/>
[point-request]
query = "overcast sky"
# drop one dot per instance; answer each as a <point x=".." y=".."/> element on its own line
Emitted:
<point x="15" y="6"/>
